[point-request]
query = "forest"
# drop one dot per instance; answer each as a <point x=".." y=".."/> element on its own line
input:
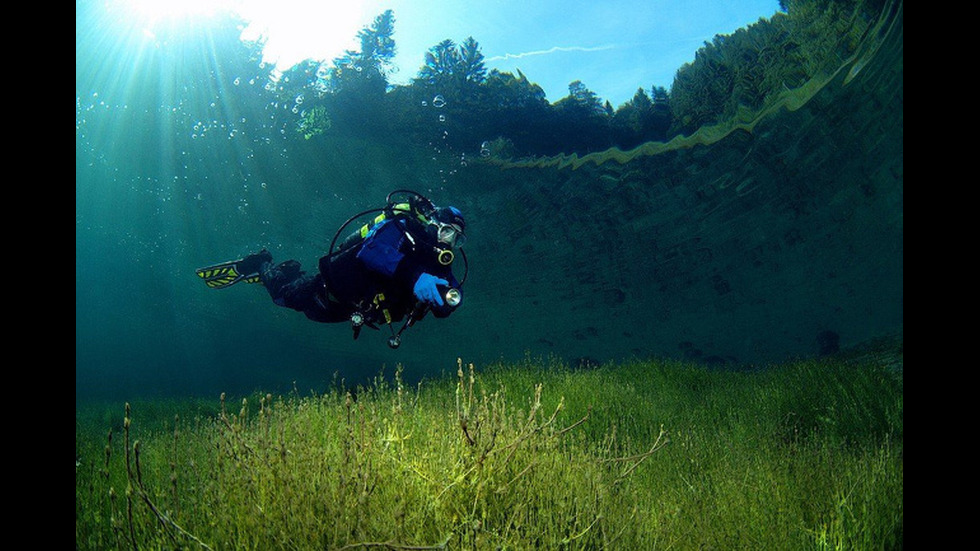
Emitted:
<point x="494" y="112"/>
<point x="486" y="111"/>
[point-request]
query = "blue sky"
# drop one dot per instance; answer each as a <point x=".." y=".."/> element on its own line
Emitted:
<point x="612" y="46"/>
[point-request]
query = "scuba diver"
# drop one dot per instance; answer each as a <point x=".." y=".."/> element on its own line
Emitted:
<point x="396" y="267"/>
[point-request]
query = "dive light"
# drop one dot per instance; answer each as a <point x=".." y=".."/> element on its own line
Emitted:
<point x="452" y="297"/>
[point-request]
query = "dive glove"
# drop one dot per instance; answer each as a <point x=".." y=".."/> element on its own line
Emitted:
<point x="426" y="291"/>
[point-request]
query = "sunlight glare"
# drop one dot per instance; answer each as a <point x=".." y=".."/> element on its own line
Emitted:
<point x="295" y="30"/>
<point x="292" y="30"/>
<point x="156" y="10"/>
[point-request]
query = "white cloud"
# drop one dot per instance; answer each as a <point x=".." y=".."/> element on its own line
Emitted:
<point x="551" y="51"/>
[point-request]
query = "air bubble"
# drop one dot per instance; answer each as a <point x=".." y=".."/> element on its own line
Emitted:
<point x="438" y="101"/>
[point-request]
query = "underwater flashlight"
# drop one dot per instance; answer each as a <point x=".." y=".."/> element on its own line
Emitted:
<point x="453" y="297"/>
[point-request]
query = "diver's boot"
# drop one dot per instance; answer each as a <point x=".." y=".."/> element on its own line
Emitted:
<point x="255" y="263"/>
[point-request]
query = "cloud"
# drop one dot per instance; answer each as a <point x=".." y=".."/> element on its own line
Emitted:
<point x="551" y="50"/>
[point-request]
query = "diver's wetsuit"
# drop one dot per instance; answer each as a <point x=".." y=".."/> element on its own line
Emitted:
<point x="375" y="277"/>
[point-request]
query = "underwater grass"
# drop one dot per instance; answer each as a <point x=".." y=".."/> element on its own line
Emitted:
<point x="643" y="455"/>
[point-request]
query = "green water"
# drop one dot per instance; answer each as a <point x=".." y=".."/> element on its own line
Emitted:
<point x="745" y="244"/>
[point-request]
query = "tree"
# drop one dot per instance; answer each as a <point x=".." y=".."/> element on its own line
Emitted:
<point x="519" y="111"/>
<point x="367" y="71"/>
<point x="358" y="80"/>
<point x="581" y="101"/>
<point x="452" y="67"/>
<point x="377" y="44"/>
<point x="641" y="119"/>
<point x="440" y="64"/>
<point x="506" y="91"/>
<point x="582" y="119"/>
<point x="471" y="67"/>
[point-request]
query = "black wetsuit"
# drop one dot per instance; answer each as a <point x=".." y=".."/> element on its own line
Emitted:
<point x="375" y="277"/>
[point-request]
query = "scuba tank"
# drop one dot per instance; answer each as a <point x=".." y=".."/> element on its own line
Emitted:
<point x="416" y="207"/>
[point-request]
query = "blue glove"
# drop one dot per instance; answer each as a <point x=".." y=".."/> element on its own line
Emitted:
<point x="426" y="291"/>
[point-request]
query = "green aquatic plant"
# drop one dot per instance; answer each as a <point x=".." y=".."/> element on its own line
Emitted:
<point x="642" y="455"/>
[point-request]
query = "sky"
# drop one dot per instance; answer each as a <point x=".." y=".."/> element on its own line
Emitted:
<point x="611" y="46"/>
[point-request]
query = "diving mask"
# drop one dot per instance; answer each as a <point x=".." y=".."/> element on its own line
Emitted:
<point x="450" y="234"/>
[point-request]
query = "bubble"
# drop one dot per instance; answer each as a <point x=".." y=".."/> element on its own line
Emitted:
<point x="424" y="103"/>
<point x="438" y="101"/>
<point x="484" y="153"/>
<point x="237" y="81"/>
<point x="442" y="118"/>
<point x="299" y="99"/>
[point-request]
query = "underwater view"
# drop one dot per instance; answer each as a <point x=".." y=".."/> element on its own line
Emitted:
<point x="502" y="295"/>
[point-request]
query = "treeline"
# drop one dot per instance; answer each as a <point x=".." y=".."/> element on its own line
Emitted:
<point x="351" y="95"/>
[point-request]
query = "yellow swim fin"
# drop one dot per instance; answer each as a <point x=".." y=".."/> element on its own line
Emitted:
<point x="227" y="274"/>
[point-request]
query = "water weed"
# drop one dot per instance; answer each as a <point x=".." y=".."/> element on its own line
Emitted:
<point x="644" y="455"/>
